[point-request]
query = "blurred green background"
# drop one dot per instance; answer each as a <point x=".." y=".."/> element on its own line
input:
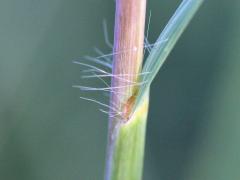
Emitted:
<point x="48" y="133"/>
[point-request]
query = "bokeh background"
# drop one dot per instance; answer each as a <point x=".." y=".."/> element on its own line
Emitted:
<point x="48" y="133"/>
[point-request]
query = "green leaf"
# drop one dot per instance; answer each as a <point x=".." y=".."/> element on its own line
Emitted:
<point x="166" y="42"/>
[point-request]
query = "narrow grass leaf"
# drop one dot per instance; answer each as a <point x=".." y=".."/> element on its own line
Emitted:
<point x="168" y="37"/>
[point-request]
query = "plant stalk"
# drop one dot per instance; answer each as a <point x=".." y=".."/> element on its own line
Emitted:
<point x="126" y="134"/>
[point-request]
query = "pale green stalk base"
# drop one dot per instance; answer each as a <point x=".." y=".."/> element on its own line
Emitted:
<point x="129" y="148"/>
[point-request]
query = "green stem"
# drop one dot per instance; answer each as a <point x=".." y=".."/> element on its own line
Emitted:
<point x="127" y="129"/>
<point x="129" y="148"/>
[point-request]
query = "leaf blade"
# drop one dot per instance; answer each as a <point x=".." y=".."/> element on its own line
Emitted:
<point x="166" y="41"/>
